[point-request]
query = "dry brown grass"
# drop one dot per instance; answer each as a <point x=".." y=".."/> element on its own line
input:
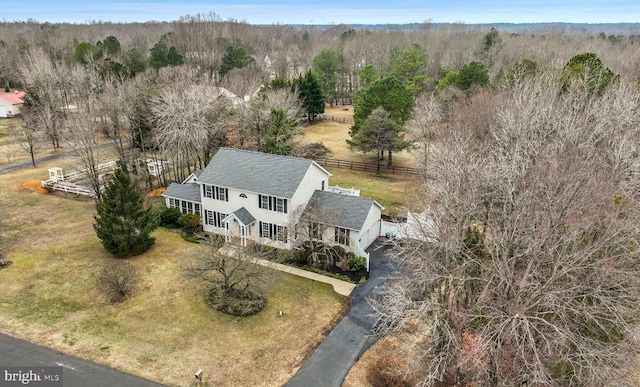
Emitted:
<point x="342" y="111"/>
<point x="157" y="192"/>
<point x="334" y="136"/>
<point x="165" y="331"/>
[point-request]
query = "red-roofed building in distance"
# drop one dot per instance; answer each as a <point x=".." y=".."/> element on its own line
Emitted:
<point x="10" y="103"/>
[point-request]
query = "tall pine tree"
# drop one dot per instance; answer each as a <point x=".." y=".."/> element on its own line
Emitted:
<point x="122" y="224"/>
<point x="311" y="95"/>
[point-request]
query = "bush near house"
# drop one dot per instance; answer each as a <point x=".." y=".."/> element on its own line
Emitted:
<point x="319" y="258"/>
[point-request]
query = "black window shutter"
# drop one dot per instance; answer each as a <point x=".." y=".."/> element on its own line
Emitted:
<point x="271" y="202"/>
<point x="226" y="194"/>
<point x="260" y="225"/>
<point x="285" y="206"/>
<point x="260" y="206"/>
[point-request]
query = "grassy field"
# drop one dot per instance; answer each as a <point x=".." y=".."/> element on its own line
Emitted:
<point x="10" y="150"/>
<point x="392" y="191"/>
<point x="165" y="331"/>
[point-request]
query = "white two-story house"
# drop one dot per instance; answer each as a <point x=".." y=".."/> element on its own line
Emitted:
<point x="274" y="200"/>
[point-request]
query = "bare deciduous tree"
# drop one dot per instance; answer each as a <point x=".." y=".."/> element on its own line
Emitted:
<point x="190" y="124"/>
<point x="29" y="133"/>
<point x="233" y="278"/>
<point x="527" y="268"/>
<point x="45" y="97"/>
<point x="255" y="118"/>
<point x="117" y="280"/>
<point x="422" y="126"/>
<point x="84" y="144"/>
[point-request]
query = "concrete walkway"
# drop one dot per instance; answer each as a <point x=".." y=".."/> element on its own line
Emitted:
<point x="341" y="287"/>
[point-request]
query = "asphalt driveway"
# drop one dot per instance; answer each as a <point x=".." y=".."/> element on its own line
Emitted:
<point x="331" y="361"/>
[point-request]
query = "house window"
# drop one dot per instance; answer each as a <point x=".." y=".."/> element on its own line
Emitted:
<point x="196" y="207"/>
<point x="244" y="196"/>
<point x="272" y="203"/>
<point x="190" y="207"/>
<point x="280" y="233"/>
<point x="265" y="230"/>
<point x="183" y="208"/>
<point x="264" y="202"/>
<point x="214" y="218"/>
<point x="315" y="231"/>
<point x="172" y="203"/>
<point x="208" y="191"/>
<point x="213" y="192"/>
<point x="322" y="187"/>
<point x="273" y="231"/>
<point x="342" y="236"/>
<point x="222" y="194"/>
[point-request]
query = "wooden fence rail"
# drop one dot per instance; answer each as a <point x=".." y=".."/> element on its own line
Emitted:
<point x="334" y="118"/>
<point x="369" y="167"/>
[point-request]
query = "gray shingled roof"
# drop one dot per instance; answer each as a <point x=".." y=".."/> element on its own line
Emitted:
<point x="243" y="215"/>
<point x="339" y="210"/>
<point x="256" y="172"/>
<point x="190" y="192"/>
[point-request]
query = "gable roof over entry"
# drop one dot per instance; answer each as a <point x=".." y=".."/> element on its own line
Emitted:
<point x="257" y="172"/>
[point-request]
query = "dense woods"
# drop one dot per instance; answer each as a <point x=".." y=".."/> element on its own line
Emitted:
<point x="526" y="272"/>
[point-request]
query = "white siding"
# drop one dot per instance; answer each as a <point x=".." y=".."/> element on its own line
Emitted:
<point x="311" y="182"/>
<point x="371" y="227"/>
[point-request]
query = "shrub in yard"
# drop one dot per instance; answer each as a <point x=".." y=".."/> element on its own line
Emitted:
<point x="168" y="216"/>
<point x="236" y="302"/>
<point x="358" y="263"/>
<point x="316" y="150"/>
<point x="117" y="280"/>
<point x="320" y="255"/>
<point x="190" y="224"/>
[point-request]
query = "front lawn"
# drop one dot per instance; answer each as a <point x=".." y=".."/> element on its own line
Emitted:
<point x="165" y="331"/>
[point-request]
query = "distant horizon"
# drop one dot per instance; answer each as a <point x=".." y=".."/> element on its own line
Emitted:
<point x="305" y="12"/>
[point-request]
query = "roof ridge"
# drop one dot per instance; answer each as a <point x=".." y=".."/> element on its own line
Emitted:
<point x="267" y="154"/>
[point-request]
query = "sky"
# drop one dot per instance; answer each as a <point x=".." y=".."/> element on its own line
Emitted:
<point x="326" y="12"/>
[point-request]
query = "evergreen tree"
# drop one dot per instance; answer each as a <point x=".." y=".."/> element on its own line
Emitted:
<point x="588" y="71"/>
<point x="311" y="95"/>
<point x="235" y="57"/>
<point x="280" y="131"/>
<point x="162" y="55"/>
<point x="378" y="133"/>
<point x="388" y="93"/>
<point x="122" y="224"/>
<point x="410" y="66"/>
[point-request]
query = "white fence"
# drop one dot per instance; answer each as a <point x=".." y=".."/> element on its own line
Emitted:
<point x="61" y="184"/>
